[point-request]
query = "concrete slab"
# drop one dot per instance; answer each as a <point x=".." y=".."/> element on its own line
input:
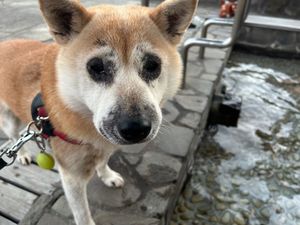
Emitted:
<point x="22" y="19"/>
<point x="190" y="120"/>
<point x="37" y="32"/>
<point x="19" y="15"/>
<point x="174" y="140"/>
<point x="200" y="85"/>
<point x="51" y="218"/>
<point x="106" y="218"/>
<point x="192" y="103"/>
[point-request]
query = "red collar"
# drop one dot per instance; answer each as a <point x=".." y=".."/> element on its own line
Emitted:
<point x="38" y="110"/>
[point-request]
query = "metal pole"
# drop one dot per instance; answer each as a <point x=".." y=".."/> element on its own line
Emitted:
<point x="207" y="24"/>
<point x="204" y="42"/>
<point x="200" y="42"/>
<point x="238" y="20"/>
<point x="145" y="2"/>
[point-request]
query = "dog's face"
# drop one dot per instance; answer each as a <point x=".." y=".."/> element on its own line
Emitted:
<point x="118" y="64"/>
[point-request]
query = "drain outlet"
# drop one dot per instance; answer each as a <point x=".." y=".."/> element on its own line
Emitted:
<point x="225" y="110"/>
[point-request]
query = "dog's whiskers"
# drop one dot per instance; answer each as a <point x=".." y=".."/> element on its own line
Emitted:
<point x="165" y="126"/>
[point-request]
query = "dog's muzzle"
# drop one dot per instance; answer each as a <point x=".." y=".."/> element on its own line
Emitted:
<point x="125" y="127"/>
<point x="134" y="130"/>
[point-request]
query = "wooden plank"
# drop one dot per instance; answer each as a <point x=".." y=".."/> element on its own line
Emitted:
<point x="4" y="221"/>
<point x="14" y="201"/>
<point x="31" y="177"/>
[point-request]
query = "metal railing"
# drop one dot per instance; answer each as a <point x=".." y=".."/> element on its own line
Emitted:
<point x="236" y="24"/>
<point x="240" y="16"/>
<point x="214" y="21"/>
<point x="145" y="2"/>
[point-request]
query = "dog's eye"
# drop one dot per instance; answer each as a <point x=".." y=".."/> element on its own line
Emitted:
<point x="98" y="71"/>
<point x="151" y="67"/>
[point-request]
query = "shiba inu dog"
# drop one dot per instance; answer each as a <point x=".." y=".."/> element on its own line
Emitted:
<point x="103" y="82"/>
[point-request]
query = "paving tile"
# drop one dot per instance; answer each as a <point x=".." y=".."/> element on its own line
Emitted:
<point x="166" y="191"/>
<point x="192" y="103"/>
<point x="209" y="77"/>
<point x="170" y="112"/>
<point x="100" y="195"/>
<point x="107" y="218"/>
<point x="38" y="32"/>
<point x="201" y="85"/>
<point x="159" y="168"/>
<point x="213" y="53"/>
<point x="191" y="120"/>
<point x="19" y="15"/>
<point x="174" y="140"/>
<point x="194" y="69"/>
<point x="186" y="92"/>
<point x="51" y="219"/>
<point x="212" y="65"/>
<point x="133" y="159"/>
<point x="61" y="206"/>
<point x="137" y="148"/>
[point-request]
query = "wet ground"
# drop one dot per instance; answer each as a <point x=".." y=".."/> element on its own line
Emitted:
<point x="250" y="174"/>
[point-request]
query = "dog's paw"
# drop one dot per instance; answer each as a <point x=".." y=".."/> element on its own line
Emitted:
<point x="24" y="157"/>
<point x="111" y="178"/>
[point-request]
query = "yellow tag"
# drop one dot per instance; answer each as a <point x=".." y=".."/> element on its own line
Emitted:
<point x="45" y="161"/>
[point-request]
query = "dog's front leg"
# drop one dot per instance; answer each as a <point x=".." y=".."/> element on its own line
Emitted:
<point x="109" y="177"/>
<point x="75" y="191"/>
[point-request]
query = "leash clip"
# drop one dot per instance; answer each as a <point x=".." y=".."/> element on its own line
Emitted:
<point x="8" y="152"/>
<point x="5" y="160"/>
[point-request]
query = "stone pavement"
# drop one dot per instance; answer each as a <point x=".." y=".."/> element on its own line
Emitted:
<point x="22" y="19"/>
<point x="154" y="172"/>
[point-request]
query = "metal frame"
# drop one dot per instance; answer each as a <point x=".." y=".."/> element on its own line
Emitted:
<point x="145" y="2"/>
<point x="209" y="22"/>
<point x="205" y="42"/>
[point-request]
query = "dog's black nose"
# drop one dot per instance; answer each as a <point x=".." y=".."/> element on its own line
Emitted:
<point x="134" y="130"/>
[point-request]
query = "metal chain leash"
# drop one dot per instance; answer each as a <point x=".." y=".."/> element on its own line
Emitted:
<point x="33" y="132"/>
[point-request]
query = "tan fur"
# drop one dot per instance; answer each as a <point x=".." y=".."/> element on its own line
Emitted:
<point x="29" y="67"/>
<point x="20" y="74"/>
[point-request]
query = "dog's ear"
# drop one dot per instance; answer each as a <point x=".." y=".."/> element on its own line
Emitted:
<point x="65" y="18"/>
<point x="173" y="17"/>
